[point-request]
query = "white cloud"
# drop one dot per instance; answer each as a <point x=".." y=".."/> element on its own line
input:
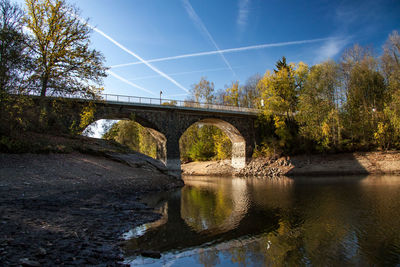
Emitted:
<point x="243" y="14"/>
<point x="331" y="48"/>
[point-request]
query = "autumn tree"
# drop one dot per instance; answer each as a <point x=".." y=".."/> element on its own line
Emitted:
<point x="232" y="94"/>
<point x="64" y="61"/>
<point x="14" y="55"/>
<point x="249" y="95"/>
<point x="388" y="131"/>
<point x="203" y="91"/>
<point x="365" y="94"/>
<point x="318" y="108"/>
<point x="279" y="92"/>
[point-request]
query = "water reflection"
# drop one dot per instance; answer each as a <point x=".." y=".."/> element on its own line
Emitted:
<point x="214" y="206"/>
<point x="306" y="221"/>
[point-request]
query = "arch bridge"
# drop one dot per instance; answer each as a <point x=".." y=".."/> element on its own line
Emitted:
<point x="167" y="120"/>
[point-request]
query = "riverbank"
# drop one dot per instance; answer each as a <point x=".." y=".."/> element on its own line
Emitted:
<point x="305" y="165"/>
<point x="71" y="209"/>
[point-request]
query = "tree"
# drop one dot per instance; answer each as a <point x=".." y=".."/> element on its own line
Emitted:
<point x="318" y="110"/>
<point x="202" y="91"/>
<point x="249" y="93"/>
<point x="279" y="96"/>
<point x="279" y="90"/>
<point x="202" y="142"/>
<point x="133" y="135"/>
<point x="232" y="94"/>
<point x="365" y="94"/>
<point x="281" y="64"/>
<point x="391" y="69"/>
<point x="14" y="63"/>
<point x="64" y="62"/>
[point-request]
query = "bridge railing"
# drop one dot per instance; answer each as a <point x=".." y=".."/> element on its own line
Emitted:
<point x="172" y="102"/>
<point x="124" y="99"/>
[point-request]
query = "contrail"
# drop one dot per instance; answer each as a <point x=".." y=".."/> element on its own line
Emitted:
<point x="139" y="58"/>
<point x="229" y="50"/>
<point x="196" y="19"/>
<point x="130" y="83"/>
<point x="178" y="73"/>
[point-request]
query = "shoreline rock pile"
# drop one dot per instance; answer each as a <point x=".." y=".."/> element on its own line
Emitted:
<point x="266" y="168"/>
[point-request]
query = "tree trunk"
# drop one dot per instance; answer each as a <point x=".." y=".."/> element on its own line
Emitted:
<point x="45" y="80"/>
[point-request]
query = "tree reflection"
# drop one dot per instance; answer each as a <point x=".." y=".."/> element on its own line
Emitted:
<point x="328" y="223"/>
<point x="208" y="258"/>
<point x="203" y="210"/>
<point x="214" y="208"/>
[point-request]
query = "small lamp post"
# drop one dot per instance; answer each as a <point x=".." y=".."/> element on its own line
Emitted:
<point x="160" y="96"/>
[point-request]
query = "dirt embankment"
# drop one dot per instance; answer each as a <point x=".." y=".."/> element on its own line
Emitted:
<point x="305" y="165"/>
<point x="71" y="209"/>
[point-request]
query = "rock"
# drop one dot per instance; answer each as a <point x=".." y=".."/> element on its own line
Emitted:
<point x="28" y="262"/>
<point x="41" y="251"/>
<point x="151" y="254"/>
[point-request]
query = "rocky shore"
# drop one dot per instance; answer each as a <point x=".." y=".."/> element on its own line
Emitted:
<point x="72" y="209"/>
<point x="304" y="165"/>
<point x="324" y="165"/>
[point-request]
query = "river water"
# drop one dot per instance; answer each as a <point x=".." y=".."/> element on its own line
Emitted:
<point x="214" y="221"/>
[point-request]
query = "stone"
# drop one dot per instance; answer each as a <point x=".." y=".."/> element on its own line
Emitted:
<point x="28" y="262"/>
<point x="151" y="254"/>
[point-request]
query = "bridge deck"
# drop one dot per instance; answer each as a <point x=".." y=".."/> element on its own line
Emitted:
<point x="160" y="103"/>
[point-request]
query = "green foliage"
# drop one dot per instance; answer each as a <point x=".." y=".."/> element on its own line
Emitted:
<point x="16" y="113"/>
<point x="202" y="147"/>
<point x="318" y="114"/>
<point x="133" y="135"/>
<point x="204" y="142"/>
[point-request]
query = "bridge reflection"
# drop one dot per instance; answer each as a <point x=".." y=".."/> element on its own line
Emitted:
<point x="319" y="221"/>
<point x="206" y="212"/>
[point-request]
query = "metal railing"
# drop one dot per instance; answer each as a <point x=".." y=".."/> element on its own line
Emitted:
<point x="176" y="103"/>
<point x="124" y="99"/>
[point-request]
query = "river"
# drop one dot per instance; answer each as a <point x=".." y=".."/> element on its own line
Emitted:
<point x="319" y="221"/>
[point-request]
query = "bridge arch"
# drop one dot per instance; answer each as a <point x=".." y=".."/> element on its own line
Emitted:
<point x="171" y="122"/>
<point x="238" y="141"/>
<point x="152" y="129"/>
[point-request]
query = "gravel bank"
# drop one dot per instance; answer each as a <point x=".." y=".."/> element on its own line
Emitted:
<point x="325" y="165"/>
<point x="304" y="165"/>
<point x="71" y="209"/>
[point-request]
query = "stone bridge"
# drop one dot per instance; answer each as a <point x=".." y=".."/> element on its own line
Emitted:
<point x="168" y="120"/>
<point x="167" y="124"/>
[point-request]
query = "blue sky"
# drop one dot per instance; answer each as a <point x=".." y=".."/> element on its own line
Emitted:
<point x="302" y="30"/>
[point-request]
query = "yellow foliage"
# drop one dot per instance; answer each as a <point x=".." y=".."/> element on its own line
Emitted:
<point x="383" y="135"/>
<point x="87" y="115"/>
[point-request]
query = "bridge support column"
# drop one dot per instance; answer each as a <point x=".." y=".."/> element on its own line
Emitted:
<point x="238" y="155"/>
<point x="173" y="161"/>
